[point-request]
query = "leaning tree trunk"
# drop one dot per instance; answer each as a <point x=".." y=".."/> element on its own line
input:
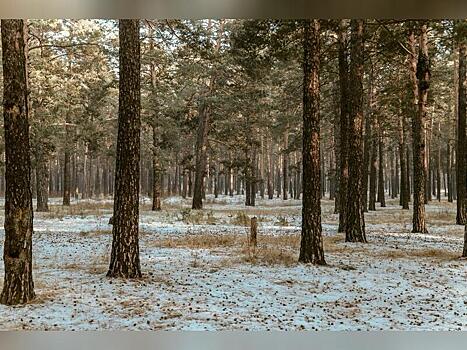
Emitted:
<point x="344" y="125"/>
<point x="311" y="246"/>
<point x="461" y="152"/>
<point x="355" y="222"/>
<point x="124" y="261"/>
<point x="423" y="78"/>
<point x="18" y="286"/>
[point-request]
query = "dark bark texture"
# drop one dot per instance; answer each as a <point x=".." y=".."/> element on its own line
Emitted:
<point x="201" y="154"/>
<point x="355" y="223"/>
<point x="344" y="124"/>
<point x="18" y="286"/>
<point x="461" y="151"/>
<point x="124" y="261"/>
<point x="418" y="123"/>
<point x="42" y="186"/>
<point x="311" y="246"/>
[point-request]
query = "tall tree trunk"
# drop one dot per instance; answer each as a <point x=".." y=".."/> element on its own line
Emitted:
<point x="366" y="159"/>
<point x="373" y="164"/>
<point x="355" y="221"/>
<point x="344" y="124"/>
<point x="201" y="154"/>
<point x="270" y="172"/>
<point x="381" y="198"/>
<point x="285" y="164"/>
<point x="156" y="174"/>
<point x="461" y="149"/>
<point x="448" y="172"/>
<point x="254" y="179"/>
<point x="42" y="179"/>
<point x="423" y="78"/>
<point x="18" y="285"/>
<point x="438" y="165"/>
<point x="404" y="195"/>
<point x="66" y="175"/>
<point x="124" y="260"/>
<point x="311" y="245"/>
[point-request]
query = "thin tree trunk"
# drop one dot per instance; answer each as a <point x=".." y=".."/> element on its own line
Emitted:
<point x="461" y="149"/>
<point x="201" y="154"/>
<point x="381" y="198"/>
<point x="404" y="195"/>
<point x="373" y="165"/>
<point x="344" y="125"/>
<point x="42" y="179"/>
<point x="285" y="164"/>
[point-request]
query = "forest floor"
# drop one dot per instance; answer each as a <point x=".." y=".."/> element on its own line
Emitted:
<point x="198" y="273"/>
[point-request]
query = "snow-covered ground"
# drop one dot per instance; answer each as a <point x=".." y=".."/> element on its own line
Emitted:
<point x="397" y="281"/>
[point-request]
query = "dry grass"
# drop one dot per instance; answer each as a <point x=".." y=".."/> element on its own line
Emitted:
<point x="281" y="221"/>
<point x="197" y="217"/>
<point x="269" y="255"/>
<point x="204" y="241"/>
<point x="431" y="253"/>
<point x="283" y="249"/>
<point x="80" y="210"/>
<point x="95" y="233"/>
<point x="241" y="219"/>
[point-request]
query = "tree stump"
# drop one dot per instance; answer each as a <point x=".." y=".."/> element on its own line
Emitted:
<point x="253" y="232"/>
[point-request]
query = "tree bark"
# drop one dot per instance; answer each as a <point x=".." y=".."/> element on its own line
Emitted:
<point x="285" y="164"/>
<point x="355" y="221"/>
<point x="461" y="150"/>
<point x="344" y="124"/>
<point x="311" y="246"/>
<point x="124" y="261"/>
<point x="18" y="286"/>
<point x="156" y="174"/>
<point x="381" y="198"/>
<point x="423" y="78"/>
<point x="42" y="180"/>
<point x="404" y="195"/>
<point x="464" y="252"/>
<point x="201" y="154"/>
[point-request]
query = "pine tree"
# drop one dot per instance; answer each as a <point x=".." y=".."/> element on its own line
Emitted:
<point x="418" y="124"/>
<point x="18" y="287"/>
<point x="355" y="222"/>
<point x="311" y="247"/>
<point x="124" y="261"/>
